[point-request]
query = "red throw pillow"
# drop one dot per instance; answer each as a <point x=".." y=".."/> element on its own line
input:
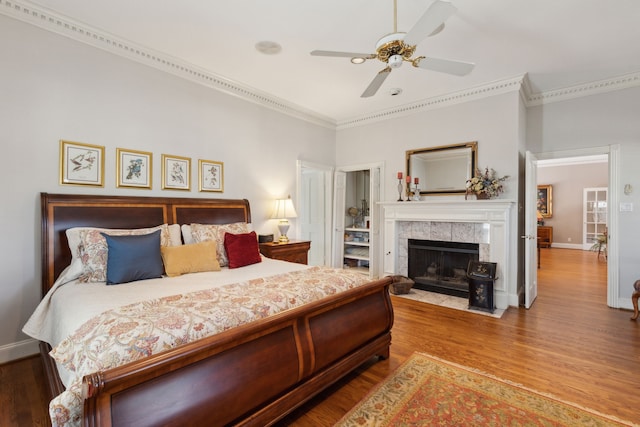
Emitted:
<point x="242" y="249"/>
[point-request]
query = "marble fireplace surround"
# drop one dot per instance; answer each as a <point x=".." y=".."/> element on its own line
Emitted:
<point x="486" y="222"/>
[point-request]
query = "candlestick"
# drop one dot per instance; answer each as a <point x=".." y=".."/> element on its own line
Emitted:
<point x="399" y="187"/>
<point x="416" y="192"/>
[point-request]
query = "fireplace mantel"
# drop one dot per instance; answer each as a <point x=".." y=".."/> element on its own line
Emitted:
<point x="494" y="220"/>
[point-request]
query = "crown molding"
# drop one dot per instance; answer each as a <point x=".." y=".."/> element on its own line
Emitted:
<point x="466" y="95"/>
<point x="65" y="26"/>
<point x="625" y="81"/>
<point x="81" y="32"/>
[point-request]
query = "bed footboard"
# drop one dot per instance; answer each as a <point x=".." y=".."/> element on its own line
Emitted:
<point x="251" y="375"/>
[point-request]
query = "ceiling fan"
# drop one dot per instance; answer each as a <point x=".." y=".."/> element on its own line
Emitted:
<point x="398" y="47"/>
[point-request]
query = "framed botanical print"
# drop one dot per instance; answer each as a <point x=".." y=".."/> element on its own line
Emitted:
<point x="81" y="164"/>
<point x="545" y="200"/>
<point x="211" y="175"/>
<point x="176" y="172"/>
<point x="134" y="168"/>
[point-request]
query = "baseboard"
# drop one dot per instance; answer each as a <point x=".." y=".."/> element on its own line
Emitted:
<point x="18" y="350"/>
<point x="625" y="304"/>
<point x="567" y="245"/>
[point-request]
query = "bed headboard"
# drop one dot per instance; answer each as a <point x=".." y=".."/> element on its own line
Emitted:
<point x="62" y="211"/>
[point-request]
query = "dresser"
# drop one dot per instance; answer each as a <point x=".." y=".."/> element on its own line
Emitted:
<point x="292" y="251"/>
<point x="545" y="236"/>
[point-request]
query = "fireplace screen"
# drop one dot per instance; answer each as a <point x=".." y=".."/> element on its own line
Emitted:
<point x="441" y="266"/>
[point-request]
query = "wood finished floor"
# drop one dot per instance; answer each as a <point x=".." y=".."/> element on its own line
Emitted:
<point x="569" y="344"/>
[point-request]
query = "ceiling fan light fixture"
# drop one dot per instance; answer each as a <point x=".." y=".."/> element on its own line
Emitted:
<point x="395" y="61"/>
<point x="357" y="60"/>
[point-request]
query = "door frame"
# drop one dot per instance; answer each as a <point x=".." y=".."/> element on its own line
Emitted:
<point x="613" y="152"/>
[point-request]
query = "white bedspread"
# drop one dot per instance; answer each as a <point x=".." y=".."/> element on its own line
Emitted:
<point x="69" y="303"/>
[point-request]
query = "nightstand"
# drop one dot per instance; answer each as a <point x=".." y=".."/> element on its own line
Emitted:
<point x="292" y="251"/>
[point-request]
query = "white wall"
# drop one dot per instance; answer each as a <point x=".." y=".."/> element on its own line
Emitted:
<point x="597" y="121"/>
<point x="568" y="183"/>
<point x="55" y="88"/>
<point x="494" y="122"/>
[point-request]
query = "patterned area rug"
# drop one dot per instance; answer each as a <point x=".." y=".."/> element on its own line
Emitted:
<point x="426" y="391"/>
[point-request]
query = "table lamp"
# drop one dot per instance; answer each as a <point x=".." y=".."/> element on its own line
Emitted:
<point x="283" y="211"/>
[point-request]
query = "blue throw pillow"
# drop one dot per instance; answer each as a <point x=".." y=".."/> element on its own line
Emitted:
<point x="132" y="258"/>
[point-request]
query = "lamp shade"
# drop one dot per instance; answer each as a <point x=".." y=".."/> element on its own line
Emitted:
<point x="284" y="209"/>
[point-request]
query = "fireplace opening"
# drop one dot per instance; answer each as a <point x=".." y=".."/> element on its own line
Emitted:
<point x="441" y="267"/>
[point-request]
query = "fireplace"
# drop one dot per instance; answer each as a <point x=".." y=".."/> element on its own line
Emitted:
<point x="439" y="266"/>
<point x="489" y="223"/>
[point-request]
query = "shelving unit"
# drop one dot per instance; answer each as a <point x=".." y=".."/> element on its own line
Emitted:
<point x="356" y="248"/>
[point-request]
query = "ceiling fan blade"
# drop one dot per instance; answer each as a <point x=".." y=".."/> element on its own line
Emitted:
<point x="376" y="83"/>
<point x="342" y="54"/>
<point x="438" y="12"/>
<point x="448" y="66"/>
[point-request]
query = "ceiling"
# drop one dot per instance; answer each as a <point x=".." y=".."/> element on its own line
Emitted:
<point x="557" y="43"/>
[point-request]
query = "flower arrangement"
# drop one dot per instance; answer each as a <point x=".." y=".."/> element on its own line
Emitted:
<point x="485" y="185"/>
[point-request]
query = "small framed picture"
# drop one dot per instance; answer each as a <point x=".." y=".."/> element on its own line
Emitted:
<point x="134" y="168"/>
<point x="211" y="175"/>
<point x="545" y="200"/>
<point x="176" y="173"/>
<point x="81" y="164"/>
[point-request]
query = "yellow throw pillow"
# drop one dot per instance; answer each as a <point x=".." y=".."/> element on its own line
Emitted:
<point x="192" y="258"/>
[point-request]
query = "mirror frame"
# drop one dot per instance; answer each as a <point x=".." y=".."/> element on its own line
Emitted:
<point x="444" y="151"/>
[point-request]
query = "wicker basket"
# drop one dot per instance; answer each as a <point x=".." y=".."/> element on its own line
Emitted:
<point x="401" y="285"/>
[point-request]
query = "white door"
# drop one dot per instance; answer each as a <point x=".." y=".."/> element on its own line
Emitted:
<point x="314" y="207"/>
<point x="530" y="231"/>
<point x="312" y="217"/>
<point x="594" y="215"/>
<point x="374" y="198"/>
<point x="339" y="195"/>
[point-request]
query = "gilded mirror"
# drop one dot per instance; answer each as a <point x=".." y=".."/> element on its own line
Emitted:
<point x="443" y="170"/>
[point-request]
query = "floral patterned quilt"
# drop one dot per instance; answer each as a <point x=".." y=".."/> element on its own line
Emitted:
<point x="138" y="330"/>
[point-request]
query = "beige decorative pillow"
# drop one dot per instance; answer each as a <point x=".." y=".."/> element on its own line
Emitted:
<point x="216" y="232"/>
<point x="193" y="258"/>
<point x="93" y="250"/>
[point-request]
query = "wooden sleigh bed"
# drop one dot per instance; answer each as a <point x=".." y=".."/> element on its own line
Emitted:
<point x="254" y="374"/>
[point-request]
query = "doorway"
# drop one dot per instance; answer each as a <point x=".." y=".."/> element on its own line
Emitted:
<point x="563" y="161"/>
<point x="356" y="225"/>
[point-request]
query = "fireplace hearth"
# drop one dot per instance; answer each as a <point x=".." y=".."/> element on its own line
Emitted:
<point x="439" y="266"/>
